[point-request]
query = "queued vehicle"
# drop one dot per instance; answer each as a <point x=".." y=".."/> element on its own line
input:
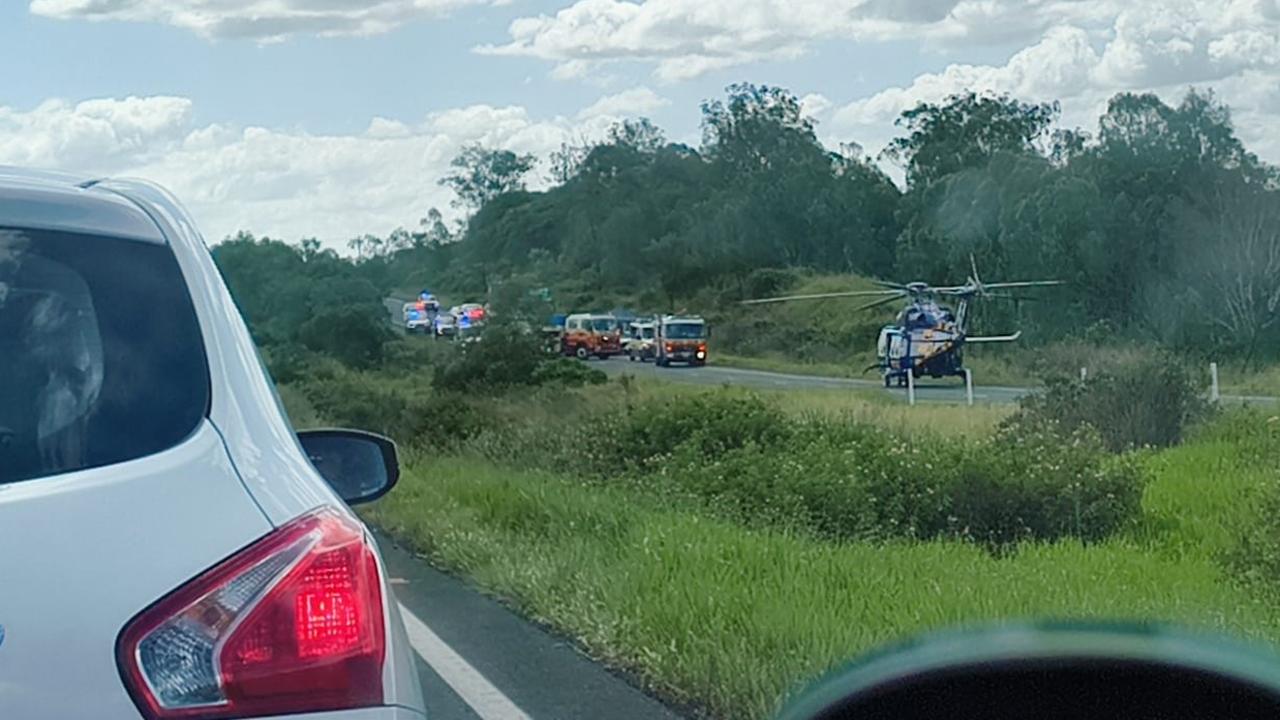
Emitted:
<point x="429" y="301"/>
<point x="172" y="546"/>
<point x="446" y="325"/>
<point x="469" y="313"/>
<point x="589" y="335"/>
<point x="641" y="339"/>
<point x="469" y="320"/>
<point x="681" y="338"/>
<point x="417" y="318"/>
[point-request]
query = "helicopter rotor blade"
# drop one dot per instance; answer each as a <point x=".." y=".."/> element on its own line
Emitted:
<point x="1016" y="297"/>
<point x="876" y="303"/>
<point x="888" y="284"/>
<point x="1024" y="283"/>
<point x="893" y="294"/>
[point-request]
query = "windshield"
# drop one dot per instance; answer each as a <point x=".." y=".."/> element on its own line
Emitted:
<point x="967" y="312"/>
<point x="684" y="331"/>
<point x="102" y="356"/>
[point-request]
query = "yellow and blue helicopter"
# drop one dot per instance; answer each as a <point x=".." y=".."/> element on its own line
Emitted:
<point x="927" y="337"/>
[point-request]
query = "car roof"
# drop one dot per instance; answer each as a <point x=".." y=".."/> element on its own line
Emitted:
<point x="50" y="200"/>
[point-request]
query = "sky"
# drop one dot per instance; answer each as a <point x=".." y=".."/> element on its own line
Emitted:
<point x="335" y="118"/>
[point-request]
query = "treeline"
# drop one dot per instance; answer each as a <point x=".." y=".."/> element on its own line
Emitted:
<point x="1164" y="225"/>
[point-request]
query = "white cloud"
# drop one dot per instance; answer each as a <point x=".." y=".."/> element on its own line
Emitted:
<point x="815" y="105"/>
<point x="262" y="20"/>
<point x="106" y="134"/>
<point x="636" y="101"/>
<point x="284" y="184"/>
<point x="1147" y="47"/>
<point x="687" y="38"/>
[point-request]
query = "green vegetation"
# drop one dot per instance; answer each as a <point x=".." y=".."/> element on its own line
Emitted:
<point x="733" y="618"/>
<point x="728" y="545"/>
<point x="742" y="458"/>
<point x="1151" y="223"/>
<point x="1147" y="402"/>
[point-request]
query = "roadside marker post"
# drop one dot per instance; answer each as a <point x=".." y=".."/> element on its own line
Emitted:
<point x="1214" y="395"/>
<point x="911" y="387"/>
<point x="968" y="386"/>
<point x="1084" y="374"/>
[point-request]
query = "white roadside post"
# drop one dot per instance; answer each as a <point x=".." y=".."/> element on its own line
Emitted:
<point x="1214" y="396"/>
<point x="968" y="386"/>
<point x="1084" y="374"/>
<point x="911" y="387"/>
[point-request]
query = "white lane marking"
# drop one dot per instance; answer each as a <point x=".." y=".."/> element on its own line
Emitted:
<point x="474" y="689"/>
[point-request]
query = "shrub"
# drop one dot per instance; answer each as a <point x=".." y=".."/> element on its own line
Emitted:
<point x="741" y="457"/>
<point x="361" y="400"/>
<point x="444" y="419"/>
<point x="1146" y="401"/>
<point x="508" y="355"/>
<point x="567" y="372"/>
<point x="351" y="333"/>
<point x="846" y="481"/>
<point x="711" y="424"/>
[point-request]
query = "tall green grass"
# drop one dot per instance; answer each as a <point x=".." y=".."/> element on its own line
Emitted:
<point x="732" y="619"/>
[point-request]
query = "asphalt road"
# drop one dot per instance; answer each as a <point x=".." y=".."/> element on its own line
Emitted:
<point x="477" y="660"/>
<point x="948" y="390"/>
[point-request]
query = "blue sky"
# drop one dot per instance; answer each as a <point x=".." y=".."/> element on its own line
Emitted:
<point x="261" y="114"/>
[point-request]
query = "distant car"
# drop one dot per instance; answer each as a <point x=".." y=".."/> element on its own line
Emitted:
<point x="640" y="342"/>
<point x="417" y="317"/>
<point x="169" y="545"/>
<point x="446" y="325"/>
<point x="472" y="313"/>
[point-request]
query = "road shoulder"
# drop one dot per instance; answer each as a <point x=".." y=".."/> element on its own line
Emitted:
<point x="544" y="675"/>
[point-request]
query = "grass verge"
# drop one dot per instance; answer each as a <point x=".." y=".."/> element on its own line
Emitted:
<point x="732" y="620"/>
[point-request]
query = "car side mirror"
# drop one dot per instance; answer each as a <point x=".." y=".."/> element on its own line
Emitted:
<point x="1061" y="671"/>
<point x="360" y="466"/>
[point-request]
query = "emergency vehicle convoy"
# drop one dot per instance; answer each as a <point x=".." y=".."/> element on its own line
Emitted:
<point x="666" y="339"/>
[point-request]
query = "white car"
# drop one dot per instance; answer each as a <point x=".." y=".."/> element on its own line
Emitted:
<point x="169" y="546"/>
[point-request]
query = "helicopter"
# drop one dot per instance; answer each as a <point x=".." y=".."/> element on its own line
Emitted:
<point x="927" y="337"/>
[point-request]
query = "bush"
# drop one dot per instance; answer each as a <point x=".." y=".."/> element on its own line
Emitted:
<point x="566" y="372"/>
<point x="444" y="419"/>
<point x="1146" y="401"/>
<point x="743" y="458"/>
<point x="352" y="334"/>
<point x="709" y="424"/>
<point x="846" y="481"/>
<point x="505" y="356"/>
<point x="401" y="408"/>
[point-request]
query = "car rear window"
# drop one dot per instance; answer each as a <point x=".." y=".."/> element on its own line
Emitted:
<point x="101" y="358"/>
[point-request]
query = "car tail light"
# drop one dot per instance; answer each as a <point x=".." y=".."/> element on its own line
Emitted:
<point x="290" y="624"/>
<point x="671" y="348"/>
